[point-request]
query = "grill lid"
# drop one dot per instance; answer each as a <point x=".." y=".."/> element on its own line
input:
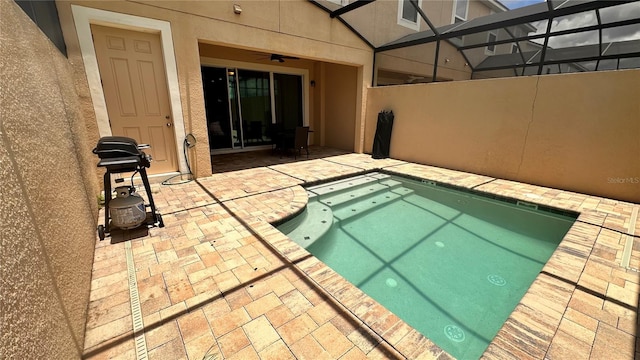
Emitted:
<point x="116" y="146"/>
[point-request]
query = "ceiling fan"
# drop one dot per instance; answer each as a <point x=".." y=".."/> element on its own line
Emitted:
<point x="281" y="58"/>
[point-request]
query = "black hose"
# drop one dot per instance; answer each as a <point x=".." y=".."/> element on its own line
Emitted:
<point x="190" y="174"/>
<point x="186" y="158"/>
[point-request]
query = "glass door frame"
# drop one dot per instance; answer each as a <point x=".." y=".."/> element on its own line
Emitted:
<point x="271" y="69"/>
<point x="236" y="87"/>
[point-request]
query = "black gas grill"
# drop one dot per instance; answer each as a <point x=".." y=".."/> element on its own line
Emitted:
<point x="119" y="154"/>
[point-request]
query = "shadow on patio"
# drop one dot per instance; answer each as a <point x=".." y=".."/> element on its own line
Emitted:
<point x="221" y="163"/>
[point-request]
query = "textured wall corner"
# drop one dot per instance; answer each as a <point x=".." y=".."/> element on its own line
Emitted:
<point x="47" y="211"/>
<point x="34" y="322"/>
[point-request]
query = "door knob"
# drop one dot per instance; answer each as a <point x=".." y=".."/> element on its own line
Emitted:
<point x="169" y="124"/>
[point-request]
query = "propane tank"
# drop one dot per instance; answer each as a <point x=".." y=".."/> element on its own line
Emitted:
<point x="127" y="209"/>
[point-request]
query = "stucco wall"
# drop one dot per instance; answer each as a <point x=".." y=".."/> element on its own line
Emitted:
<point x="418" y="61"/>
<point x="285" y="27"/>
<point x="47" y="206"/>
<point x="340" y="102"/>
<point x="578" y="132"/>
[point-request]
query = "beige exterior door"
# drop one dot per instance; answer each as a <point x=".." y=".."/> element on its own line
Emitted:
<point x="135" y="89"/>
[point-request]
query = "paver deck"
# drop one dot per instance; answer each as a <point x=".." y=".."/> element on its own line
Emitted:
<point x="218" y="281"/>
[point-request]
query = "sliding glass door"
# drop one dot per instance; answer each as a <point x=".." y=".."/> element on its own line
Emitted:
<point x="243" y="107"/>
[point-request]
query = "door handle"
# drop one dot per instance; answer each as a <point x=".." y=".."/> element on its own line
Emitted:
<point x="169" y="124"/>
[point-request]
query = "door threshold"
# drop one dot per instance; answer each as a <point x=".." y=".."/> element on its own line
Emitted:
<point x="239" y="150"/>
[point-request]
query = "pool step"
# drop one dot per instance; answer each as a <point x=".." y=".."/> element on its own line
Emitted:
<point x="355" y="194"/>
<point x="362" y="206"/>
<point x="343" y="194"/>
<point x="342" y="199"/>
<point x="336" y="187"/>
<point x="314" y="222"/>
<point x="402" y="191"/>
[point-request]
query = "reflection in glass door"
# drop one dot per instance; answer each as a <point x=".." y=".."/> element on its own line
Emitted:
<point x="255" y="105"/>
<point x="239" y="106"/>
<point x="288" y="100"/>
<point x="216" y="101"/>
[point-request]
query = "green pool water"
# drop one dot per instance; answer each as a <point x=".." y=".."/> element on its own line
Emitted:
<point x="451" y="264"/>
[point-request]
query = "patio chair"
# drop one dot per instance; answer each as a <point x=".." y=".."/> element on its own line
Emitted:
<point x="301" y="140"/>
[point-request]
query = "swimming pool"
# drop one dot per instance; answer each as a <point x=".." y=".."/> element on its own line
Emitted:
<point x="451" y="264"/>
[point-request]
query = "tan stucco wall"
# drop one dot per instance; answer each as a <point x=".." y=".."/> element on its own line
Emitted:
<point x="419" y="60"/>
<point x="287" y="27"/>
<point x="378" y="21"/>
<point x="579" y="132"/>
<point x="341" y="106"/>
<point x="48" y="206"/>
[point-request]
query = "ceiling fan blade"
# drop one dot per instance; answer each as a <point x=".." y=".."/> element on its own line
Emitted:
<point x="280" y="58"/>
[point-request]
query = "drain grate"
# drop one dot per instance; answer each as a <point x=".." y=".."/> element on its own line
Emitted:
<point x="628" y="245"/>
<point x="454" y="333"/>
<point x="136" y="312"/>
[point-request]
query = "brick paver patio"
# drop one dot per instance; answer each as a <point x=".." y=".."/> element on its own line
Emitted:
<point x="218" y="281"/>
